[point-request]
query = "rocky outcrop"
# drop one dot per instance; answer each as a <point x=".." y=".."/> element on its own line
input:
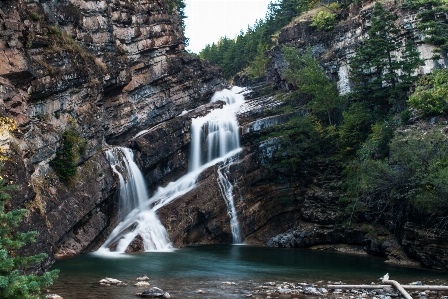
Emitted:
<point x="334" y="49"/>
<point x="105" y="69"/>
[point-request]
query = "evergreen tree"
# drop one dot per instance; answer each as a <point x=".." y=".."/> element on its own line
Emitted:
<point x="373" y="69"/>
<point x="380" y="77"/>
<point x="14" y="284"/>
<point x="433" y="23"/>
<point x="311" y="82"/>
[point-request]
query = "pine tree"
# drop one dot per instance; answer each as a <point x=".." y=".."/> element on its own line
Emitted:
<point x="311" y="82"/>
<point x="373" y="69"/>
<point x="14" y="284"/>
<point x="381" y="79"/>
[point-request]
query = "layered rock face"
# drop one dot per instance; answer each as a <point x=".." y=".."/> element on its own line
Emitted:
<point x="104" y="69"/>
<point x="335" y="48"/>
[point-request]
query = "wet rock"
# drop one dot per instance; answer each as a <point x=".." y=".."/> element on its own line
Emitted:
<point x="311" y="291"/>
<point x="142" y="278"/>
<point x="137" y="245"/>
<point x="142" y="284"/>
<point x="53" y="296"/>
<point x="229" y="283"/>
<point x="155" y="293"/>
<point x="111" y="282"/>
<point x="269" y="283"/>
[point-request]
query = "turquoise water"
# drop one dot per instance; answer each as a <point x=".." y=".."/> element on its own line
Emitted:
<point x="184" y="271"/>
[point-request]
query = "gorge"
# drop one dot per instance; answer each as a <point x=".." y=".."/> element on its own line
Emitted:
<point x="114" y="77"/>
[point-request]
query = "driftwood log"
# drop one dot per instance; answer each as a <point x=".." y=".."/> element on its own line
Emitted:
<point x="388" y="284"/>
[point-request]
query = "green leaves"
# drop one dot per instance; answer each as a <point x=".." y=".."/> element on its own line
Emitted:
<point x="323" y="20"/>
<point x="305" y="74"/>
<point x="64" y="164"/>
<point x="413" y="176"/>
<point x="431" y="93"/>
<point x="380" y="77"/>
<point x="14" y="284"/>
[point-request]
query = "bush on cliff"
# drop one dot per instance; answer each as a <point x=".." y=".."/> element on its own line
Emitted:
<point x="64" y="164"/>
<point x="431" y="94"/>
<point x="14" y="283"/>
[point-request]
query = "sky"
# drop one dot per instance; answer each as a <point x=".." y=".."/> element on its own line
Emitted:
<point x="208" y="20"/>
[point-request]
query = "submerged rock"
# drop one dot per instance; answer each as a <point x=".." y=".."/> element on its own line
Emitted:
<point x="154" y="293"/>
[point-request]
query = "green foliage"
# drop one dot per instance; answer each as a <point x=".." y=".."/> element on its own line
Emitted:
<point x="64" y="164"/>
<point x="354" y="128"/>
<point x="377" y="144"/>
<point x="258" y="66"/>
<point x="34" y="16"/>
<point x="310" y="81"/>
<point x="414" y="176"/>
<point x="433" y="22"/>
<point x="248" y="49"/>
<point x="303" y="141"/>
<point x="14" y="284"/>
<point x="431" y="94"/>
<point x="323" y="20"/>
<point x="380" y="77"/>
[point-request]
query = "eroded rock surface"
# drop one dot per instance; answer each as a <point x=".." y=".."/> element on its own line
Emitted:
<point x="105" y="69"/>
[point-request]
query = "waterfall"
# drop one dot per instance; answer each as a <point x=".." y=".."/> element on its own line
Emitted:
<point x="227" y="193"/>
<point x="214" y="139"/>
<point x="132" y="184"/>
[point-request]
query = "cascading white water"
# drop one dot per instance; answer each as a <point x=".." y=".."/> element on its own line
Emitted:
<point x="227" y="193"/>
<point x="132" y="184"/>
<point x="214" y="138"/>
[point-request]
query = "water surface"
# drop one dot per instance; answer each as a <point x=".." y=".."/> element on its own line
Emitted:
<point x="183" y="272"/>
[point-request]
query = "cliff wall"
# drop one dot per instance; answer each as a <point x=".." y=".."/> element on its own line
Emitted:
<point x="335" y="48"/>
<point x="104" y="69"/>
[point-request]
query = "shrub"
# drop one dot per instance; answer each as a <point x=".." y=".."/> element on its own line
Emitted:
<point x="411" y="180"/>
<point x="323" y="20"/>
<point x="64" y="164"/>
<point x="354" y="128"/>
<point x="431" y="94"/>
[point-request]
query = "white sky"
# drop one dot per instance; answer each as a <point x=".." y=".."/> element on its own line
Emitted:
<point x="208" y="20"/>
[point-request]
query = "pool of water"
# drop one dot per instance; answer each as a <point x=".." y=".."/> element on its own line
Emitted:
<point x="185" y="271"/>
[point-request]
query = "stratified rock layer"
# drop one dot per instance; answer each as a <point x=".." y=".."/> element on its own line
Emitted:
<point x="106" y="69"/>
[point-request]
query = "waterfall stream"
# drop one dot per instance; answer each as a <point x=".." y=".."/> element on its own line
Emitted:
<point x="214" y="139"/>
<point x="226" y="187"/>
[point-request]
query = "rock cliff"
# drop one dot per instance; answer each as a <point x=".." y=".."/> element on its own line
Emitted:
<point x="336" y="47"/>
<point x="103" y="69"/>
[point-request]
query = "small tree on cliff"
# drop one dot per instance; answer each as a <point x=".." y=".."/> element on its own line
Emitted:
<point x="14" y="283"/>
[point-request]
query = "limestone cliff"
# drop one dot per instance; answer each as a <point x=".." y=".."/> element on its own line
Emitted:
<point x="336" y="47"/>
<point x="104" y="69"/>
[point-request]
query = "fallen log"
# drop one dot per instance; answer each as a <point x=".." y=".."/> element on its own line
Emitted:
<point x="383" y="286"/>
